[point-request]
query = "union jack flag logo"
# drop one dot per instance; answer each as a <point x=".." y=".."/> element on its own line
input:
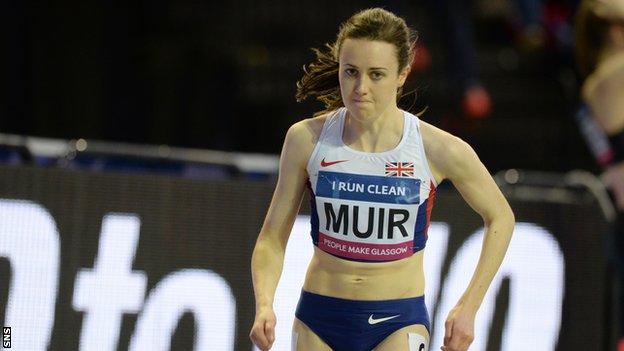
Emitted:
<point x="399" y="169"/>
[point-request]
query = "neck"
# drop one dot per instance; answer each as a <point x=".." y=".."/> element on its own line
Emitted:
<point x="375" y="134"/>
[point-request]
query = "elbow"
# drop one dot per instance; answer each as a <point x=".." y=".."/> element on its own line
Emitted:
<point x="504" y="218"/>
<point x="508" y="216"/>
<point x="511" y="217"/>
<point x="512" y="223"/>
<point x="268" y="243"/>
<point x="509" y="220"/>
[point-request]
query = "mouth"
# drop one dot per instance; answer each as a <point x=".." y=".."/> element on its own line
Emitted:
<point x="360" y="101"/>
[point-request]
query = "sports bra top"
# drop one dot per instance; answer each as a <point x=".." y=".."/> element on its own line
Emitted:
<point x="369" y="207"/>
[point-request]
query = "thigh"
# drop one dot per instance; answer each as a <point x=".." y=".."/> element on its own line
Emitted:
<point x="305" y="339"/>
<point x="400" y="339"/>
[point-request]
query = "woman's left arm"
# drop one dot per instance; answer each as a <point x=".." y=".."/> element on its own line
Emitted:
<point x="458" y="162"/>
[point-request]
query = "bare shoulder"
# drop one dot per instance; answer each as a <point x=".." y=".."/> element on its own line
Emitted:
<point x="307" y="130"/>
<point x="304" y="134"/>
<point x="301" y="139"/>
<point x="445" y="152"/>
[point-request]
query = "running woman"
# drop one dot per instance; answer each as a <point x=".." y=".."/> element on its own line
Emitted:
<point x="371" y="170"/>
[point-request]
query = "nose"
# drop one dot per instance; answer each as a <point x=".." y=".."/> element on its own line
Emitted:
<point x="362" y="85"/>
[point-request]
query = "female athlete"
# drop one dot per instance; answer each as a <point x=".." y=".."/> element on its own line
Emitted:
<point x="371" y="170"/>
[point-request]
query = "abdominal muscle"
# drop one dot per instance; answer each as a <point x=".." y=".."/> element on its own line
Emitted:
<point x="332" y="276"/>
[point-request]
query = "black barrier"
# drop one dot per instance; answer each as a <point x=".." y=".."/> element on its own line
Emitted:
<point x="121" y="261"/>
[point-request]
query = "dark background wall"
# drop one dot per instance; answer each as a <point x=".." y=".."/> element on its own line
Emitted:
<point x="191" y="224"/>
<point x="221" y="75"/>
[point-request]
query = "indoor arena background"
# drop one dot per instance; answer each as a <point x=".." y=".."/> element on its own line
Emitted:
<point x="138" y="149"/>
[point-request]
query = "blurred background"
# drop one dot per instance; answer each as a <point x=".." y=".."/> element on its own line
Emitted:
<point x="221" y="75"/>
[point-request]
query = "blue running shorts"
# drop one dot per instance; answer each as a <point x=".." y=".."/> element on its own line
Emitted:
<point x="353" y="325"/>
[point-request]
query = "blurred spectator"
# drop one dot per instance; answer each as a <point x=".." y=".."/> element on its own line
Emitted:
<point x="600" y="58"/>
<point x="452" y="17"/>
<point x="531" y="33"/>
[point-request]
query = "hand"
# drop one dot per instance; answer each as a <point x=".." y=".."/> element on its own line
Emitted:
<point x="459" y="330"/>
<point x="612" y="10"/>
<point x="263" y="331"/>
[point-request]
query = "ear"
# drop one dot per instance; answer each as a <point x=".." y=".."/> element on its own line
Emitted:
<point x="403" y="75"/>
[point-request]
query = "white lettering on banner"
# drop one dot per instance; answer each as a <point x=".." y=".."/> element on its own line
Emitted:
<point x="385" y="252"/>
<point x="201" y="292"/>
<point x="355" y="248"/>
<point x="386" y="190"/>
<point x="30" y="241"/>
<point x="371" y="188"/>
<point x="337" y="246"/>
<point x="111" y="288"/>
<point x="534" y="262"/>
<point x="360" y="250"/>
<point x="350" y="187"/>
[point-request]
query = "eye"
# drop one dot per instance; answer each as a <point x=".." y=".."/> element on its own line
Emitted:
<point x="350" y="72"/>
<point x="377" y="75"/>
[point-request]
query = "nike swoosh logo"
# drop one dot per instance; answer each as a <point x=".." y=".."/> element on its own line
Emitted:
<point x="371" y="320"/>
<point x="326" y="164"/>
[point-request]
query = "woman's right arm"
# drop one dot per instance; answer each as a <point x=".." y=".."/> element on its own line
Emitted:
<point x="268" y="255"/>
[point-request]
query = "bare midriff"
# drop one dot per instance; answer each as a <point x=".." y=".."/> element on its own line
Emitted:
<point x="332" y="276"/>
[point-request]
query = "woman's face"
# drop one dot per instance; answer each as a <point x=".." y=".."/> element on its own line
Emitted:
<point x="368" y="75"/>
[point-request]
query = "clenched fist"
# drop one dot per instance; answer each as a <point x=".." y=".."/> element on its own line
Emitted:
<point x="263" y="331"/>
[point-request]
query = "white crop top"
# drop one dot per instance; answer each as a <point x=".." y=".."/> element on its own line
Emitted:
<point x="371" y="207"/>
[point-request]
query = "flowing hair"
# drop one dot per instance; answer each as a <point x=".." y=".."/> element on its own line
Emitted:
<point x="320" y="78"/>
